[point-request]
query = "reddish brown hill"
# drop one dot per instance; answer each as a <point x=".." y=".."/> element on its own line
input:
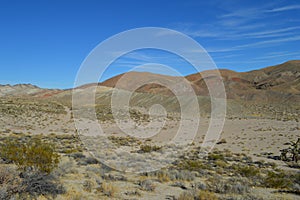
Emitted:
<point x="273" y="82"/>
<point x="278" y="83"/>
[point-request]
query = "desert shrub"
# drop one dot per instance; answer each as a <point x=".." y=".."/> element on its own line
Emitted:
<point x="108" y="189"/>
<point x="192" y="165"/>
<point x="206" y="195"/>
<point x="73" y="195"/>
<point x="147" y="185"/>
<point x="229" y="186"/>
<point x="199" y="185"/>
<point x="243" y="197"/>
<point x="173" y="175"/>
<point x="133" y="193"/>
<point x="112" y="177"/>
<point x="36" y="184"/>
<point x="66" y="166"/>
<point x="184" y="175"/>
<point x="293" y="151"/>
<point x="296" y="178"/>
<point x="277" y="180"/>
<point x="187" y="195"/>
<point x="221" y="163"/>
<point x="88" y="185"/>
<point x="10" y="183"/>
<point x="197" y="195"/>
<point x="247" y="171"/>
<point x="148" y="148"/>
<point x="163" y="176"/>
<point x="34" y="155"/>
<point x="123" y="141"/>
<point x="216" y="156"/>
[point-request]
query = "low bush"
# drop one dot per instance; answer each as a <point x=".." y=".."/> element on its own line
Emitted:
<point x="149" y="148"/>
<point x="229" y="186"/>
<point x="36" y="184"/>
<point x="10" y="183"/>
<point x="192" y="165"/>
<point x="197" y="195"/>
<point x="147" y="185"/>
<point x="216" y="156"/>
<point x="247" y="171"/>
<point x="277" y="180"/>
<point x="34" y="155"/>
<point x="108" y="189"/>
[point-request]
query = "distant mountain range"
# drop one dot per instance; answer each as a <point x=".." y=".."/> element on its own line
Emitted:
<point x="276" y="83"/>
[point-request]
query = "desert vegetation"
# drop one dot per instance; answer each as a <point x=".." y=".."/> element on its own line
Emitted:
<point x="33" y="166"/>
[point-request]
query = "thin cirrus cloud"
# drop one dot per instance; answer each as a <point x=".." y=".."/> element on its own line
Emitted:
<point x="237" y="34"/>
<point x="285" y="8"/>
<point x="243" y="28"/>
<point x="278" y="55"/>
<point x="264" y="43"/>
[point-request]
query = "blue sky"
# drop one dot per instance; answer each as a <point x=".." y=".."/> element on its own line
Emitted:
<point x="44" y="42"/>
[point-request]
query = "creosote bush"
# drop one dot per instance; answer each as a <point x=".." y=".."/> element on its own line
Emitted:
<point x="34" y="155"/>
<point x="149" y="148"/>
<point x="278" y="180"/>
<point x="247" y="171"/>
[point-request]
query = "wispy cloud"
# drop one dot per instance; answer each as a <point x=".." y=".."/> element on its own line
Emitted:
<point x="264" y="43"/>
<point x="244" y="13"/>
<point x="270" y="33"/>
<point x="273" y="55"/>
<point x="284" y="8"/>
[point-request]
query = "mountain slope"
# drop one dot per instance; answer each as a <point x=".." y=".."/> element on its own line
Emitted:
<point x="275" y="83"/>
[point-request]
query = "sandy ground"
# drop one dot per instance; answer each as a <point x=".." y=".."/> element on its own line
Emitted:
<point x="250" y="136"/>
<point x="255" y="137"/>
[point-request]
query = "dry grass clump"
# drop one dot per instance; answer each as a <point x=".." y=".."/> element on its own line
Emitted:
<point x="108" y="189"/>
<point x="197" y="195"/>
<point x="123" y="141"/>
<point x="167" y="175"/>
<point x="228" y="185"/>
<point x="147" y="185"/>
<point x="88" y="185"/>
<point x="72" y="195"/>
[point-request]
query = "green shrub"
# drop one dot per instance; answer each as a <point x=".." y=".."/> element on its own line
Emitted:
<point x="34" y="155"/>
<point x="277" y="180"/>
<point x="192" y="165"/>
<point x="247" y="171"/>
<point x="216" y="156"/>
<point x="149" y="148"/>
